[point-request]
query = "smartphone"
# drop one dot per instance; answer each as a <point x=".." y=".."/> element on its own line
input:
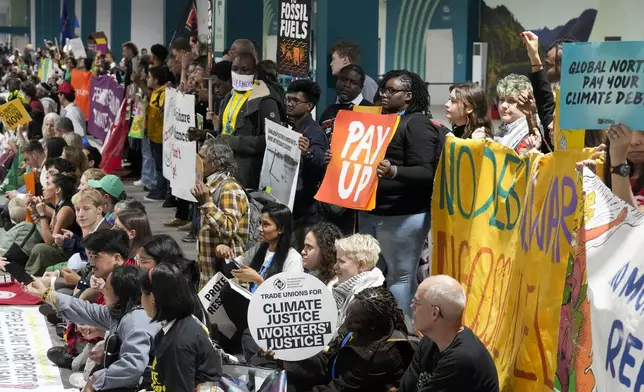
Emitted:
<point x="18" y="272"/>
<point x="235" y="264"/>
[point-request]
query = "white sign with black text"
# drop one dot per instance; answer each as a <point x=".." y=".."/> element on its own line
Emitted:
<point x="292" y="314"/>
<point x="281" y="164"/>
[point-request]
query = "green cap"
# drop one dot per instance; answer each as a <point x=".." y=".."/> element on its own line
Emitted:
<point x="110" y="184"/>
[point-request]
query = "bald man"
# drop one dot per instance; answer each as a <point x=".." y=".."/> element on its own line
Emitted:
<point x="241" y="45"/>
<point x="449" y="358"/>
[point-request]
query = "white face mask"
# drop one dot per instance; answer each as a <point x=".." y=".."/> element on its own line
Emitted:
<point x="242" y="82"/>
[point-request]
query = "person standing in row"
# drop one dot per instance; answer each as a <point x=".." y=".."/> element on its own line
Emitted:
<point x="346" y="53"/>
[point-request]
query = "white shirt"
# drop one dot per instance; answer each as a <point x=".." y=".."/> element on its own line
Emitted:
<point x="293" y="262"/>
<point x="167" y="325"/>
<point x="77" y="116"/>
<point x="356" y="101"/>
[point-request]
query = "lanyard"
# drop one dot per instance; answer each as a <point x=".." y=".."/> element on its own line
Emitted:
<point x="344" y="342"/>
<point x="262" y="271"/>
<point x="234" y="112"/>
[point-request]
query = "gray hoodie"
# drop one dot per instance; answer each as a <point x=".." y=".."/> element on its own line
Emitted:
<point x="135" y="331"/>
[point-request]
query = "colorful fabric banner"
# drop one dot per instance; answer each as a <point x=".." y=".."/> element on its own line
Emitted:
<point x="107" y="96"/>
<point x="114" y="143"/>
<point x="503" y="226"/>
<point x="614" y="248"/>
<point x="359" y="143"/>
<point x="23" y="352"/>
<point x="81" y="82"/>
<point x="294" y="37"/>
<point x="601" y="84"/>
<point x="13" y="114"/>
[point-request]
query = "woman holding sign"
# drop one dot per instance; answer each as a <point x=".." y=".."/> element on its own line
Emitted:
<point x="401" y="220"/>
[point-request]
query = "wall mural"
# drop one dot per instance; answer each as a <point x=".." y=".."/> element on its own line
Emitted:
<point x="503" y="21"/>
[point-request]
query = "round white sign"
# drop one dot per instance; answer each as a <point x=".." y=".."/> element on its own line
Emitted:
<point x="293" y="314"/>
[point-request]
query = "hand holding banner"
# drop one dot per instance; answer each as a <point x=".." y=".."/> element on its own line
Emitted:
<point x="359" y="143"/>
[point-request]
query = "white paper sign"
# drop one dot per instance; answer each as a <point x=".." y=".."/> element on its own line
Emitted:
<point x="78" y="48"/>
<point x="184" y="152"/>
<point x="614" y="238"/>
<point x="168" y="131"/>
<point x="293" y="314"/>
<point x="281" y="163"/>
<point x="211" y="300"/>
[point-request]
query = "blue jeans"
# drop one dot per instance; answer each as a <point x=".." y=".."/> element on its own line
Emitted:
<point x="401" y="241"/>
<point x="147" y="168"/>
<point x="160" y="184"/>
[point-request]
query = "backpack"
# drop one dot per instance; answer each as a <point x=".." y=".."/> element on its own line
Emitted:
<point x="26" y="237"/>
<point x="257" y="199"/>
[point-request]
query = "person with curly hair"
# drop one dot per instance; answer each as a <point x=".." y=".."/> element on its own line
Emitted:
<point x="371" y="353"/>
<point x="319" y="253"/>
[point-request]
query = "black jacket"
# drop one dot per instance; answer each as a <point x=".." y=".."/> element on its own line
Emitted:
<point x="184" y="357"/>
<point x="312" y="170"/>
<point x="370" y="366"/>
<point x="545" y="100"/>
<point x="327" y="119"/>
<point x="248" y="140"/>
<point x="414" y="150"/>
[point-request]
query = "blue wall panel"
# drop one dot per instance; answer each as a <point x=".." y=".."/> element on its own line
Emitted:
<point x="174" y="10"/>
<point x="245" y="19"/>
<point x="121" y="26"/>
<point x="47" y="20"/>
<point x="88" y="19"/>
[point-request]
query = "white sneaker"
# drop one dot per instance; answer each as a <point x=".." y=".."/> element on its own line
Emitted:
<point x="138" y="183"/>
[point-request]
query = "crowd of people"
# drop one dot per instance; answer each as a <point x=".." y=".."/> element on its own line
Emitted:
<point x="125" y="300"/>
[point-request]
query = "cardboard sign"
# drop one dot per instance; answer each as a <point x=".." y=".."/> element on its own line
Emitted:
<point x="281" y="163"/>
<point x="81" y="82"/>
<point x="293" y="40"/>
<point x="78" y="49"/>
<point x="293" y="314"/>
<point x="601" y="84"/>
<point x="97" y="42"/>
<point x="359" y="143"/>
<point x="212" y="300"/>
<point x="13" y="114"/>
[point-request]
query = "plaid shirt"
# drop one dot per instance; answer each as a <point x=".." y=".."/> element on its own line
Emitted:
<point x="223" y="222"/>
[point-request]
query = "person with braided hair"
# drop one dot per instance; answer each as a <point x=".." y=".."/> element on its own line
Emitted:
<point x="371" y="353"/>
<point x="401" y="219"/>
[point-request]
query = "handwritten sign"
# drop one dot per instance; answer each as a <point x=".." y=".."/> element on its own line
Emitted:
<point x="503" y="226"/>
<point x="602" y="83"/>
<point x="293" y="40"/>
<point x="168" y="130"/>
<point x="359" y="143"/>
<point x="13" y="114"/>
<point x="184" y="152"/>
<point x="281" y="164"/>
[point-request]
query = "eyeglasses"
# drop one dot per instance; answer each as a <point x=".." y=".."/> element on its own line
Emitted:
<point x="415" y="304"/>
<point x="388" y="91"/>
<point x="294" y="101"/>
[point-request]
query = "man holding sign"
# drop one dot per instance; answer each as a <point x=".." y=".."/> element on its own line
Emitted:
<point x="400" y="220"/>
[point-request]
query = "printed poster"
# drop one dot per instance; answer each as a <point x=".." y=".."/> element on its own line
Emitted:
<point x="614" y="249"/>
<point x="504" y="226"/>
<point x="107" y="96"/>
<point x="184" y="152"/>
<point x="281" y="164"/>
<point x="13" y="114"/>
<point x="24" y="341"/>
<point x="359" y="143"/>
<point x="293" y="314"/>
<point x="168" y="131"/>
<point x="601" y="84"/>
<point x="212" y="298"/>
<point x="78" y="49"/>
<point x="81" y="82"/>
<point x="294" y="37"/>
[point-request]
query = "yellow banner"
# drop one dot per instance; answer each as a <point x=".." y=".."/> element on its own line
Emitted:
<point x="503" y="226"/>
<point x="13" y="113"/>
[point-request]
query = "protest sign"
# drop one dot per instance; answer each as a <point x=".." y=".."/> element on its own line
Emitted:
<point x="359" y="143"/>
<point x="78" y="49"/>
<point x="601" y="84"/>
<point x="368" y="109"/>
<point x="184" y="152"/>
<point x="293" y="40"/>
<point x="293" y="314"/>
<point x="281" y="163"/>
<point x="503" y="226"/>
<point x="13" y="114"/>
<point x="211" y="297"/>
<point x="614" y="248"/>
<point x="566" y="139"/>
<point x="168" y="131"/>
<point x="97" y="42"/>
<point x="24" y="341"/>
<point x="81" y="82"/>
<point x="107" y="96"/>
<point x="46" y="69"/>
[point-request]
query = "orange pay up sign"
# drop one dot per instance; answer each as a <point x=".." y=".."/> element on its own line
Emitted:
<point x="359" y="143"/>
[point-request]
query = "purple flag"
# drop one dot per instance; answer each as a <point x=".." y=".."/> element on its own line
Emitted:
<point x="105" y="100"/>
